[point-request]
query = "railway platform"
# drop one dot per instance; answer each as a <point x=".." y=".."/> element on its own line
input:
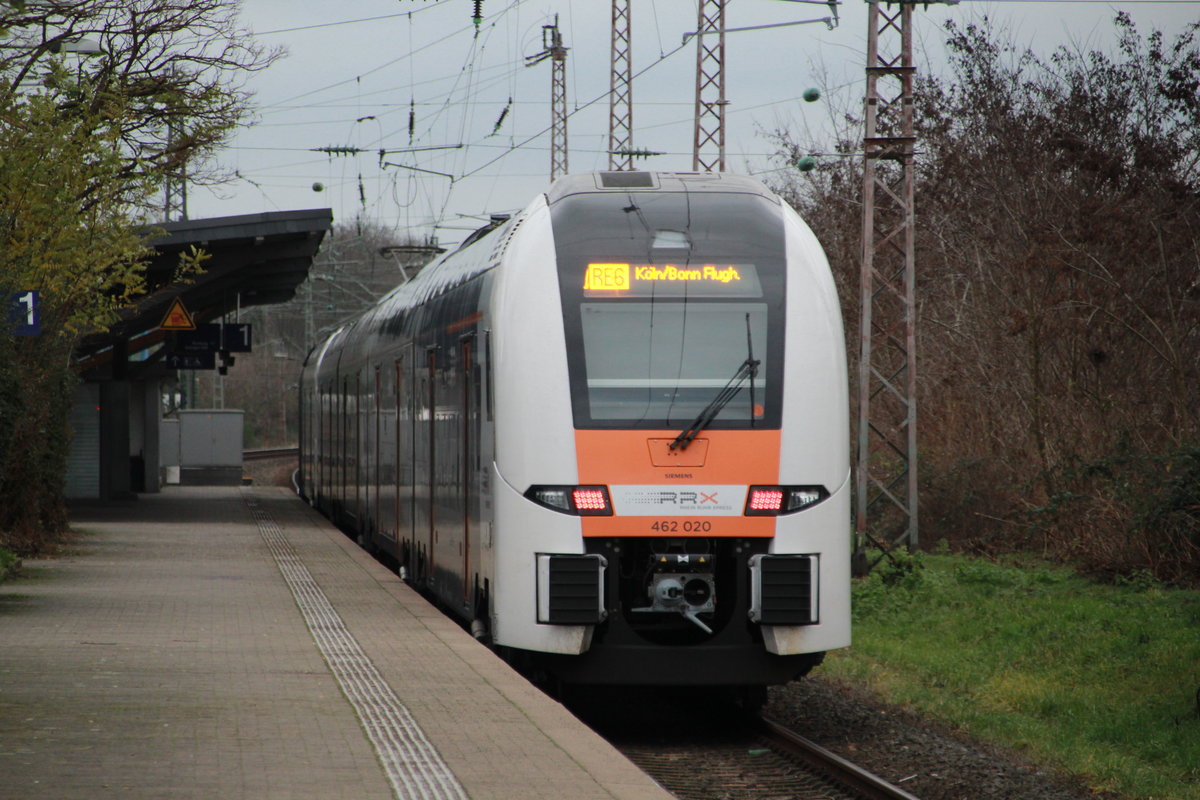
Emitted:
<point x="227" y="642"/>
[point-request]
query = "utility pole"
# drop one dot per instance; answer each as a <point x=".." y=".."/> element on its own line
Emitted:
<point x="886" y="475"/>
<point x="620" y="95"/>
<point x="552" y="48"/>
<point x="708" y="144"/>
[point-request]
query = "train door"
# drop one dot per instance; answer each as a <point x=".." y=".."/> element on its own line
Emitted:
<point x="425" y="481"/>
<point x="405" y="490"/>
<point x="327" y="448"/>
<point x="435" y="466"/>
<point x="322" y="440"/>
<point x="468" y="444"/>
<point x="448" y="434"/>
<point x="377" y="526"/>
<point x="303" y="474"/>
<point x="358" y="450"/>
<point x="343" y="455"/>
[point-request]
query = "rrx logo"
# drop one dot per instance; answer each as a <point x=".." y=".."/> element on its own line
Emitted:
<point x="682" y="498"/>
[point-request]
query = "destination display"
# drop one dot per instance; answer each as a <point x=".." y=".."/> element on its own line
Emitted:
<point x="624" y="279"/>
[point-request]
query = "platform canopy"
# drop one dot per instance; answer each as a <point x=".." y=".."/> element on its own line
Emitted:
<point x="254" y="259"/>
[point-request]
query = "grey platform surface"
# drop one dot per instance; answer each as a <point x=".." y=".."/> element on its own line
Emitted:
<point x="167" y="655"/>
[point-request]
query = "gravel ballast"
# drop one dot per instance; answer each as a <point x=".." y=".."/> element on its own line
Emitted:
<point x="922" y="757"/>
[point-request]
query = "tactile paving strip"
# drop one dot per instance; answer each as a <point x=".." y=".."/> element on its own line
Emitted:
<point x="412" y="765"/>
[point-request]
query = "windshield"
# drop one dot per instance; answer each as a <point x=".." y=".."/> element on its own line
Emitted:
<point x="666" y="296"/>
<point x="666" y="360"/>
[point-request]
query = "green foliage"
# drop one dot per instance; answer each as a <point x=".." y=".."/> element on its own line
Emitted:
<point x="191" y="262"/>
<point x="1097" y="679"/>
<point x="890" y="585"/>
<point x="65" y="228"/>
<point x="84" y="146"/>
<point x="9" y="563"/>
<point x="65" y="231"/>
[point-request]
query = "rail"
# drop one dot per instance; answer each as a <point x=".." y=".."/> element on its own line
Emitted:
<point x="270" y="452"/>
<point x="844" y="772"/>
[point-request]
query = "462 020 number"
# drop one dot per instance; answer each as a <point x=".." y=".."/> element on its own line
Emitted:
<point x="681" y="526"/>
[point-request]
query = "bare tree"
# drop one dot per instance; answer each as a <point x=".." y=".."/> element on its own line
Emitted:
<point x="166" y="76"/>
<point x="358" y="264"/>
<point x="1059" y="296"/>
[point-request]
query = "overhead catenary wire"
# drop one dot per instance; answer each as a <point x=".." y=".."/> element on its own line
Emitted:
<point x="372" y="71"/>
<point x="455" y="95"/>
<point x="602" y="96"/>
<point x="464" y="173"/>
<point x="337" y="23"/>
<point x="484" y="146"/>
<point x="450" y="96"/>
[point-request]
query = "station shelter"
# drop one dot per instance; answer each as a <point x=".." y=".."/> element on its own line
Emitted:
<point x="117" y="418"/>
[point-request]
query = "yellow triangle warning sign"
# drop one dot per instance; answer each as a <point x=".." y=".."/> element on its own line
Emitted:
<point x="177" y="318"/>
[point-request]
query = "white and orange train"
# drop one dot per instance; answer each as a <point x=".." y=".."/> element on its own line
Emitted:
<point x="610" y="433"/>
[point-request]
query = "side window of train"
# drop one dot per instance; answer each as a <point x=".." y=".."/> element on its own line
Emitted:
<point x="487" y="368"/>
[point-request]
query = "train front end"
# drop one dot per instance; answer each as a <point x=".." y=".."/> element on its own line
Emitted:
<point x="673" y="463"/>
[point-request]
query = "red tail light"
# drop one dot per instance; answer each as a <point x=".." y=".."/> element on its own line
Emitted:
<point x="590" y="500"/>
<point x="584" y="501"/>
<point x="765" y="501"/>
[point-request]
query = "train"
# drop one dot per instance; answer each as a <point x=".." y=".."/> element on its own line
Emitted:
<point x="608" y="433"/>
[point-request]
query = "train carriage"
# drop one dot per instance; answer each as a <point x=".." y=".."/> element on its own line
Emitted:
<point x="610" y="433"/>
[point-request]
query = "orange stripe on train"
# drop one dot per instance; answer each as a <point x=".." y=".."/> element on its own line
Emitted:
<point x="716" y="463"/>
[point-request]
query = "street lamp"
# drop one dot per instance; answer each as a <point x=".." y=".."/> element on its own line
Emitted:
<point x="81" y="46"/>
<point x="87" y="48"/>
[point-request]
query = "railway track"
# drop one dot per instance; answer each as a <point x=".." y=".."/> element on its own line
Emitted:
<point x="845" y="773"/>
<point x="270" y="452"/>
<point x="699" y="748"/>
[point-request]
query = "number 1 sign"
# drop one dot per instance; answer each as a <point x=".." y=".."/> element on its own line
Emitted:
<point x="24" y="312"/>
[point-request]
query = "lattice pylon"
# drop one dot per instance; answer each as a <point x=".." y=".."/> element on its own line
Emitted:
<point x="175" y="184"/>
<point x="886" y="475"/>
<point x="620" y="95"/>
<point x="708" y="146"/>
<point x="552" y="48"/>
<point x="558" y="107"/>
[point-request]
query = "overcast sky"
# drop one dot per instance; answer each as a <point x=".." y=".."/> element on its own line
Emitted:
<point x="355" y="69"/>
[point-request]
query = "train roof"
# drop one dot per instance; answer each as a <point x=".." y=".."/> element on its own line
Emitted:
<point x="602" y="182"/>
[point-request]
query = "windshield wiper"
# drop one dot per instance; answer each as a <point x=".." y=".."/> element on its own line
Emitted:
<point x="748" y="370"/>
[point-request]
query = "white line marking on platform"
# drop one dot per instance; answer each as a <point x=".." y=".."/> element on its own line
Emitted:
<point x="412" y="765"/>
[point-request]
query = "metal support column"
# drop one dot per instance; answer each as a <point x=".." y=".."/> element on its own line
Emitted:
<point x="552" y="48"/>
<point x="886" y="477"/>
<point x="620" y="95"/>
<point x="175" y="183"/>
<point x="708" y="147"/>
<point x="558" y="110"/>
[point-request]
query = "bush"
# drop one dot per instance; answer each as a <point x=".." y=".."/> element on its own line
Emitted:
<point x="1130" y="512"/>
<point x="9" y="563"/>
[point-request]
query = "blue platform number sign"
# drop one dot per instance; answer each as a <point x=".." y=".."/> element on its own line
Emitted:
<point x="25" y="313"/>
